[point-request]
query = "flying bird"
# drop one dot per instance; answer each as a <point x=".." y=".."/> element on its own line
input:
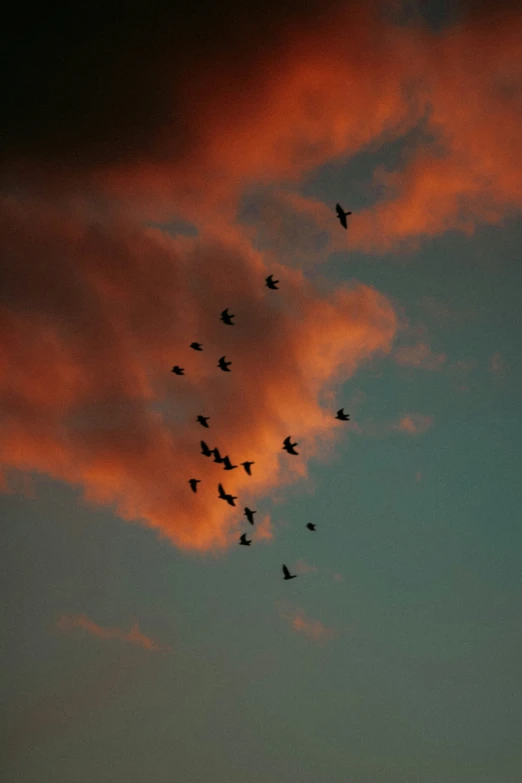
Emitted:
<point x="246" y="466"/>
<point x="178" y="370"/>
<point x="289" y="447"/>
<point x="194" y="484"/>
<point x="203" y="420"/>
<point x="228" y="465"/>
<point x="342" y="215"/>
<point x="342" y="416"/>
<point x="196" y="346"/>
<point x="205" y="449"/>
<point x="271" y="283"/>
<point x="250" y="515"/>
<point x="244" y="541"/>
<point x="223" y="365"/>
<point x="226" y="317"/>
<point x="217" y="456"/>
<point x="310" y="526"/>
<point x="287" y="574"/>
<point x="225" y="496"/>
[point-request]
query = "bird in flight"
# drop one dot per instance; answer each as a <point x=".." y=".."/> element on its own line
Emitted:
<point x="342" y="215"/>
<point x="178" y="370"/>
<point x="250" y="515"/>
<point x="203" y="420"/>
<point x="342" y="416"/>
<point x="228" y="465"/>
<point x="289" y="447"/>
<point x="196" y="346"/>
<point x="205" y="449"/>
<point x="224" y="365"/>
<point x="225" y="496"/>
<point x="244" y="541"/>
<point x="287" y="574"/>
<point x="226" y="317"/>
<point x="246" y="466"/>
<point x="310" y="526"/>
<point x="271" y="283"/>
<point x="217" y="456"/>
<point x="194" y="484"/>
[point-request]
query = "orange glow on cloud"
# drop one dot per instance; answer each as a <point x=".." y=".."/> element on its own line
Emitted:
<point x="414" y="423"/>
<point x="134" y="636"/>
<point x="300" y="623"/>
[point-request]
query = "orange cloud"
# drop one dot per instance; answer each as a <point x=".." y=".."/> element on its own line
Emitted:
<point x="315" y="629"/>
<point x="498" y="365"/>
<point x="134" y="636"/>
<point x="419" y="355"/>
<point x="92" y="401"/>
<point x="413" y="423"/>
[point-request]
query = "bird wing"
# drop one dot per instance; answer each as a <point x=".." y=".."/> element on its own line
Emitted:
<point x="340" y="412"/>
<point x="286" y="572"/>
<point x="222" y="492"/>
<point x="287" y="441"/>
<point x="243" y="538"/>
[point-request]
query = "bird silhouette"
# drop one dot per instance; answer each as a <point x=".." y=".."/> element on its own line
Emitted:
<point x="178" y="370"/>
<point x="205" y="449"/>
<point x="287" y="574"/>
<point x="228" y="465"/>
<point x="250" y="515"/>
<point x="225" y="496"/>
<point x="342" y="215"/>
<point x="196" y="346"/>
<point x="289" y="447"/>
<point x="226" y="317"/>
<point x="194" y="484"/>
<point x="271" y="283"/>
<point x="246" y="466"/>
<point x="217" y="456"/>
<point x="223" y="365"/>
<point x="342" y="416"/>
<point x="310" y="526"/>
<point x="203" y="420"/>
<point x="244" y="541"/>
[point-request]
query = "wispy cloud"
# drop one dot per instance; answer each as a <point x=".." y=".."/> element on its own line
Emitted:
<point x="413" y="423"/>
<point x="498" y="365"/>
<point x="134" y="636"/>
<point x="300" y="623"/>
<point x="419" y="355"/>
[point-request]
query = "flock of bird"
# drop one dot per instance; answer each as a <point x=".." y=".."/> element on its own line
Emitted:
<point x="227" y="318"/>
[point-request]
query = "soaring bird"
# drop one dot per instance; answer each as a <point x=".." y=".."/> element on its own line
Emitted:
<point x="217" y="456"/>
<point x="246" y="466"/>
<point x="194" y="484"/>
<point x="271" y="283"/>
<point x="223" y="365"/>
<point x="244" y="541"/>
<point x="226" y="317"/>
<point x="203" y="420"/>
<point x="342" y="416"/>
<point x="342" y="215"/>
<point x="228" y="465"/>
<point x="178" y="370"/>
<point x="196" y="346"/>
<point x="287" y="574"/>
<point x="250" y="515"/>
<point x="289" y="447"/>
<point x="225" y="496"/>
<point x="205" y="449"/>
<point x="310" y="526"/>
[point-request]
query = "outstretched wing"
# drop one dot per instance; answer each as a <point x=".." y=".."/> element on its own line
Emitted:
<point x="286" y="572"/>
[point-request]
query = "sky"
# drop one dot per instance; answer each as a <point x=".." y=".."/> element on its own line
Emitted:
<point x="157" y="165"/>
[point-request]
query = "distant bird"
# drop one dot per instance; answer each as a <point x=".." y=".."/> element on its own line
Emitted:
<point x="178" y="370"/>
<point x="250" y="515"/>
<point x="203" y="420"/>
<point x="196" y="346"/>
<point x="225" y="496"/>
<point x="194" y="484"/>
<point x="289" y="447"/>
<point x="223" y="365"/>
<point x="217" y="456"/>
<point x="244" y="541"/>
<point x="342" y="215"/>
<point x="246" y="466"/>
<point x="271" y="283"/>
<point x="342" y="416"/>
<point x="287" y="574"/>
<point x="205" y="449"/>
<point x="228" y="465"/>
<point x="310" y="526"/>
<point x="226" y="317"/>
